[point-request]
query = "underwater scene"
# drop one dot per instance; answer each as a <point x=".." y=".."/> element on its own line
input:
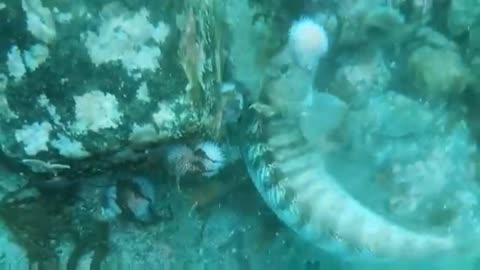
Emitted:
<point x="240" y="134"/>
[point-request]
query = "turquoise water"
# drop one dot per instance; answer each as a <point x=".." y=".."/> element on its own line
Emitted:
<point x="246" y="134"/>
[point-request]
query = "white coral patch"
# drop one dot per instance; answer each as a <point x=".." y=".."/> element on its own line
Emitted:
<point x="130" y="39"/>
<point x="34" y="137"/>
<point x="15" y="65"/>
<point x="18" y="62"/>
<point x="35" y="56"/>
<point x="96" y="110"/>
<point x="164" y="117"/>
<point x="62" y="17"/>
<point x="39" y="20"/>
<point x="44" y="102"/>
<point x="69" y="148"/>
<point x="142" y="93"/>
<point x="143" y="134"/>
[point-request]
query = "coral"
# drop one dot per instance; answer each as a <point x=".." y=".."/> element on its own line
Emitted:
<point x="308" y="42"/>
<point x="40" y="21"/>
<point x="69" y="148"/>
<point x="143" y="134"/>
<point x="126" y="37"/>
<point x="34" y="137"/>
<point x="44" y="102"/>
<point x="211" y="156"/>
<point x="15" y="65"/>
<point x="142" y="93"/>
<point x="35" y="56"/>
<point x="165" y="117"/>
<point x="32" y="58"/>
<point x="96" y="110"/>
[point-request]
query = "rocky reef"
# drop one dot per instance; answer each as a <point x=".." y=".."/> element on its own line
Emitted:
<point x="114" y="147"/>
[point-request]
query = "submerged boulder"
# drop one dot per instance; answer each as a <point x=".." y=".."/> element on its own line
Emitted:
<point x="437" y="72"/>
<point x="84" y="81"/>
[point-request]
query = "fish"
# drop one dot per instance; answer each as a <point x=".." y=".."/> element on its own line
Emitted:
<point x="292" y="179"/>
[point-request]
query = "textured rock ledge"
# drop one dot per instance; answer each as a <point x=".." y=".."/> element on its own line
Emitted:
<point x="85" y="84"/>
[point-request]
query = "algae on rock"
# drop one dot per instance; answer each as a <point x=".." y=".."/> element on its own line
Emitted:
<point x="112" y="71"/>
<point x="437" y="73"/>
